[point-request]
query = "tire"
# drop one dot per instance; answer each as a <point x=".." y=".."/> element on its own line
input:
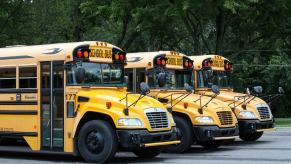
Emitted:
<point x="149" y="152"/>
<point x="210" y="144"/>
<point x="186" y="132"/>
<point x="250" y="136"/>
<point x="106" y="146"/>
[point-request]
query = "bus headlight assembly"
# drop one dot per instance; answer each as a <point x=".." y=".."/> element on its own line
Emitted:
<point x="130" y="122"/>
<point x="204" y="120"/>
<point x="246" y="115"/>
<point x="172" y="121"/>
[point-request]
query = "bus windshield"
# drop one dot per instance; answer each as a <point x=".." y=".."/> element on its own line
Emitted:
<point x="98" y="74"/>
<point x="175" y="79"/>
<point x="221" y="78"/>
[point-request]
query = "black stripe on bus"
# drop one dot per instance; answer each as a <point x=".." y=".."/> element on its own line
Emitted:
<point x="19" y="112"/>
<point x="15" y="57"/>
<point x="18" y="90"/>
<point x="18" y="134"/>
<point x="18" y="103"/>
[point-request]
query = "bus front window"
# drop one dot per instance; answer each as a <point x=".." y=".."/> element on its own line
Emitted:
<point x="175" y="79"/>
<point x="221" y="78"/>
<point x="98" y="74"/>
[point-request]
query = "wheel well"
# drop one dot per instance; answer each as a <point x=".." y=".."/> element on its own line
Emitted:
<point x="185" y="116"/>
<point x="88" y="116"/>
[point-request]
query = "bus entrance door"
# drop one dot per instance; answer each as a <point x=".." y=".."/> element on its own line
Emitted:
<point x="52" y="105"/>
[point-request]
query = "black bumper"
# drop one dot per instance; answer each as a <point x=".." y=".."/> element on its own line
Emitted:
<point x="251" y="126"/>
<point x="210" y="133"/>
<point x="132" y="139"/>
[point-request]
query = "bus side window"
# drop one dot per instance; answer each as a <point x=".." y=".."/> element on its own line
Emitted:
<point x="27" y="77"/>
<point x="140" y="77"/>
<point x="8" y="77"/>
<point x="129" y="74"/>
<point x="200" y="79"/>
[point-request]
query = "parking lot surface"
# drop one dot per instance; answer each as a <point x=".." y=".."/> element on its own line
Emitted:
<point x="273" y="147"/>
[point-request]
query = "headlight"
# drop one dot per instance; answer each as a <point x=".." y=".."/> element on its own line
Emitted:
<point x="204" y="120"/>
<point x="246" y="114"/>
<point x="130" y="122"/>
<point x="172" y="121"/>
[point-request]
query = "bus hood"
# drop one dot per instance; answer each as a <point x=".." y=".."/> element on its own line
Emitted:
<point x="191" y="104"/>
<point x="253" y="105"/>
<point x="117" y="97"/>
<point x="112" y="102"/>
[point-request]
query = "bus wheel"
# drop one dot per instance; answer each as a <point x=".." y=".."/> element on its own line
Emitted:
<point x="250" y="136"/>
<point x="185" y="131"/>
<point x="148" y="152"/>
<point x="210" y="144"/>
<point x="97" y="141"/>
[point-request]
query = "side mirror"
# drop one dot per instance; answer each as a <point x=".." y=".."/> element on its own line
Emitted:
<point x="248" y="91"/>
<point x="215" y="89"/>
<point x="281" y="90"/>
<point x="144" y="87"/>
<point x="126" y="81"/>
<point x="188" y="88"/>
<point x="209" y="73"/>
<point x="258" y="89"/>
<point x="80" y="74"/>
<point x="162" y="79"/>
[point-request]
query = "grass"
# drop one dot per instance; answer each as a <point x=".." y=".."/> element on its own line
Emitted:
<point x="283" y="122"/>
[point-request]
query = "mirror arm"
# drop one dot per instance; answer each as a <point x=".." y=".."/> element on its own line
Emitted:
<point x="273" y="97"/>
<point x="239" y="98"/>
<point x="182" y="94"/>
<point x="209" y="100"/>
<point x="251" y="99"/>
<point x="180" y="99"/>
<point x="135" y="102"/>
<point x="125" y="110"/>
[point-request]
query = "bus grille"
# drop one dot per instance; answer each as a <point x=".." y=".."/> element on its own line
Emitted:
<point x="158" y="119"/>
<point x="264" y="112"/>
<point x="225" y="117"/>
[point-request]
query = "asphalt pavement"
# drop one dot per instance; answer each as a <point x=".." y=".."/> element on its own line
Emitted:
<point x="271" y="148"/>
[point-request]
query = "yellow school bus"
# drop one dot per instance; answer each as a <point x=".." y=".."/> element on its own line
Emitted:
<point x="253" y="114"/>
<point x="72" y="98"/>
<point x="199" y="119"/>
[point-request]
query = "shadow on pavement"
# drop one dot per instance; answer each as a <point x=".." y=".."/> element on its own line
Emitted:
<point x="40" y="156"/>
<point x="65" y="158"/>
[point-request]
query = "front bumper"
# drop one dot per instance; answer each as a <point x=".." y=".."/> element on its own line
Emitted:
<point x="133" y="139"/>
<point x="210" y="133"/>
<point x="252" y="126"/>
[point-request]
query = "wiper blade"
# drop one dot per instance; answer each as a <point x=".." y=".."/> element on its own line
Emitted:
<point x="239" y="98"/>
<point x="183" y="95"/>
<point x="125" y="111"/>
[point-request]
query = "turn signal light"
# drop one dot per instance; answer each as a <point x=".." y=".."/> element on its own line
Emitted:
<point x="108" y="105"/>
<point x="185" y="105"/>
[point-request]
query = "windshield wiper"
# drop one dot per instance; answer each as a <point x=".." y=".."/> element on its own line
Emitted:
<point x="144" y="91"/>
<point x="238" y="99"/>
<point x="215" y="90"/>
